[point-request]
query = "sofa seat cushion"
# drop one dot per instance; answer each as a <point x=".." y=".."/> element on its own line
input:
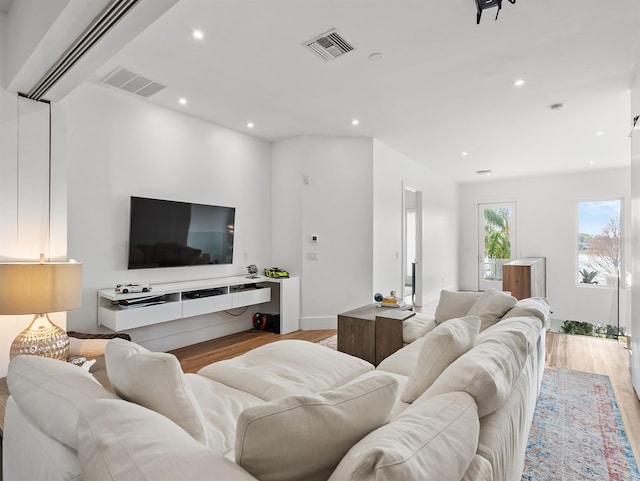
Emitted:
<point x="454" y="304"/>
<point x="402" y="361"/>
<point x="491" y="306"/>
<point x="416" y="327"/>
<point x="51" y="393"/>
<point x="487" y="372"/>
<point x="221" y="406"/>
<point x="154" y="380"/>
<point x="431" y="441"/>
<point x="285" y="368"/>
<point x="479" y="470"/>
<point x="122" y="441"/>
<point x="440" y="348"/>
<point x="304" y="437"/>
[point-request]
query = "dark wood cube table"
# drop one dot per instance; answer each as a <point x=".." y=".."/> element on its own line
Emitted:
<point x="370" y="332"/>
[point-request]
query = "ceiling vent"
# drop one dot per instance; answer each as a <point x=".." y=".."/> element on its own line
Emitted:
<point x="329" y="45"/>
<point x="100" y="26"/>
<point x="136" y="84"/>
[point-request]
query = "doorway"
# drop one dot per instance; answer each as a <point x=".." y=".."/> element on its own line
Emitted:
<point x="412" y="245"/>
<point x="497" y="242"/>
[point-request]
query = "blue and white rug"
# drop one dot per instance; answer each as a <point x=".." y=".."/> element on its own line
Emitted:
<point x="577" y="431"/>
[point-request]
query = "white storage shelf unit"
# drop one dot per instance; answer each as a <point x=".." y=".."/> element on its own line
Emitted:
<point x="181" y="300"/>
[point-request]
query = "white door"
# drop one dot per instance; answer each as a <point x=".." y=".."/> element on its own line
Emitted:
<point x="497" y="242"/>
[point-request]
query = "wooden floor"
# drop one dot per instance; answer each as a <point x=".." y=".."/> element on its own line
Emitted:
<point x="602" y="356"/>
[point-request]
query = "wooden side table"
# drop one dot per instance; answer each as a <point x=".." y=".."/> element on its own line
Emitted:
<point x="370" y="332"/>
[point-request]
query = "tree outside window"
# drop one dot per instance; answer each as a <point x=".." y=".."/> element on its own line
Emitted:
<point x="599" y="247"/>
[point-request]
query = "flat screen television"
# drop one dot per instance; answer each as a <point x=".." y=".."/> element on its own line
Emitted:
<point x="166" y="233"/>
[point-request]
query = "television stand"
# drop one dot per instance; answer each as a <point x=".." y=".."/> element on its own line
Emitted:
<point x="182" y="300"/>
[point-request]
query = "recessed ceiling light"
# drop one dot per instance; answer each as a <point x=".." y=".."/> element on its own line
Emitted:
<point x="519" y="82"/>
<point x="483" y="172"/>
<point x="182" y="101"/>
<point x="375" y="57"/>
<point x="198" y="34"/>
<point x="355" y="122"/>
<point x="600" y="132"/>
<point x="557" y="107"/>
<point x="591" y="162"/>
<point x="250" y="125"/>
<point x="464" y="154"/>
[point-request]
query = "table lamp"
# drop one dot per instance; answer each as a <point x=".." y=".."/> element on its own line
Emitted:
<point x="40" y="288"/>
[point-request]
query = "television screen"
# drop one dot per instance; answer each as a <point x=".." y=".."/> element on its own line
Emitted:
<point x="166" y="233"/>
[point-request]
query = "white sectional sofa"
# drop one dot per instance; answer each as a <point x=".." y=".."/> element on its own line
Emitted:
<point x="455" y="404"/>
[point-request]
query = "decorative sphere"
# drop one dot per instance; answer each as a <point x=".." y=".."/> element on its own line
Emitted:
<point x="378" y="297"/>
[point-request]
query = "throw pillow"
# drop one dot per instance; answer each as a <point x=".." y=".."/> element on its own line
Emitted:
<point x="440" y="348"/>
<point x="487" y="372"/>
<point x="454" y="304"/>
<point x="491" y="306"/>
<point x="52" y="393"/>
<point x="121" y="441"/>
<point x="435" y="440"/>
<point x="154" y="380"/>
<point x="305" y="437"/>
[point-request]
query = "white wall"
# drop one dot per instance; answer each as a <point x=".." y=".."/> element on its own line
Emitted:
<point x="546" y="214"/>
<point x="336" y="205"/>
<point x="118" y="146"/>
<point x="32" y="221"/>
<point x="392" y="170"/>
<point x="635" y="239"/>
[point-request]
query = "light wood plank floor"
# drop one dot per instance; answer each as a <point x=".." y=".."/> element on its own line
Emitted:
<point x="601" y="356"/>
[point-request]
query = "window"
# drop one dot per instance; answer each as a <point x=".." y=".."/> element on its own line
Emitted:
<point x="599" y="246"/>
<point x="497" y="242"/>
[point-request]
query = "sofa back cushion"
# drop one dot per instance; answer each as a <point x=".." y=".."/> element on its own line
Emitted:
<point x="491" y="306"/>
<point x="434" y="440"/>
<point x="52" y="393"/>
<point x="454" y="304"/>
<point x="304" y="437"/>
<point x="440" y="348"/>
<point x="154" y="380"/>
<point x="532" y="306"/>
<point x="487" y="372"/>
<point x="121" y="441"/>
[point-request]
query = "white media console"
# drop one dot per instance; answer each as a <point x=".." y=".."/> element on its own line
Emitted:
<point x="181" y="300"/>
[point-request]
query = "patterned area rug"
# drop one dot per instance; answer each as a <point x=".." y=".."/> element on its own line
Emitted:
<point x="330" y="342"/>
<point x="577" y="431"/>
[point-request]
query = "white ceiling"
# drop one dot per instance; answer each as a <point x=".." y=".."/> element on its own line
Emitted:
<point x="443" y="87"/>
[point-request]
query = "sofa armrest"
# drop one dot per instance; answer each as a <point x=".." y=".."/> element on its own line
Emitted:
<point x="91" y="346"/>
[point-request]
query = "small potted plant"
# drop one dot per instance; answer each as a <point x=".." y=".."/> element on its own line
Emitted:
<point x="588" y="276"/>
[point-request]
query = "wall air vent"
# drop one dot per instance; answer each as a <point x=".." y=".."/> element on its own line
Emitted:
<point x="329" y="45"/>
<point x="136" y="84"/>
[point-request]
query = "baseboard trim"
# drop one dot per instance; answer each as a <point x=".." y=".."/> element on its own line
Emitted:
<point x="311" y="323"/>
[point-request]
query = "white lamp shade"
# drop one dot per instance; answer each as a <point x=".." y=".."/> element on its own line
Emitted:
<point x="39" y="288"/>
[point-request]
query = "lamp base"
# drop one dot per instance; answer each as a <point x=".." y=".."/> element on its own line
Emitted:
<point x="41" y="338"/>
